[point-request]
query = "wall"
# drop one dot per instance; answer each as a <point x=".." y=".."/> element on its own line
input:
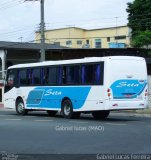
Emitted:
<point x="63" y="35"/>
<point x="109" y="32"/>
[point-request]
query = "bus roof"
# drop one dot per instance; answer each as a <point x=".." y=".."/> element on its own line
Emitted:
<point x="75" y="61"/>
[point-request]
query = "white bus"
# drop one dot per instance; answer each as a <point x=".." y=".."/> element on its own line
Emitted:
<point x="97" y="85"/>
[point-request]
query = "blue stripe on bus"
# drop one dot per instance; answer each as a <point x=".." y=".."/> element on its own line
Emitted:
<point x="122" y="89"/>
<point x="51" y="97"/>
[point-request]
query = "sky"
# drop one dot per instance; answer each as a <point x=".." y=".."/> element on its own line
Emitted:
<point x="20" y="19"/>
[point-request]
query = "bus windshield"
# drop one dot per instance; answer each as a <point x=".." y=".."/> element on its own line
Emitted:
<point x="10" y="80"/>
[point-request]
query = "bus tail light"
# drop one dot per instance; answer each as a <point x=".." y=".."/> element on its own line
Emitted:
<point x="146" y="93"/>
<point x="109" y="92"/>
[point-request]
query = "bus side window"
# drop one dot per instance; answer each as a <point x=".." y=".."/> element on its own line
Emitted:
<point x="44" y="76"/>
<point x="36" y="76"/>
<point x="96" y="72"/>
<point x="59" y="75"/>
<point x="29" y="76"/>
<point x="64" y="75"/>
<point x="87" y="74"/>
<point x="91" y="74"/>
<point x="22" y="77"/>
<point x="53" y="72"/>
<point x="73" y="74"/>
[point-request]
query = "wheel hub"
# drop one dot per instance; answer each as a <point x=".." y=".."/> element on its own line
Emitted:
<point x="67" y="109"/>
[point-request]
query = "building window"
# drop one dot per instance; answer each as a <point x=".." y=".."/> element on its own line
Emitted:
<point x="87" y="41"/>
<point x="79" y="42"/>
<point x="68" y="43"/>
<point x="120" y="37"/>
<point x="108" y="39"/>
<point x="57" y="43"/>
<point x="97" y="43"/>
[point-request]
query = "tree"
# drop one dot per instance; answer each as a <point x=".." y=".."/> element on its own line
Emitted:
<point x="139" y="17"/>
<point x="142" y="39"/>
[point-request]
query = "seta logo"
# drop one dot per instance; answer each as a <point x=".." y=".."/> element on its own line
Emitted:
<point x="125" y="84"/>
<point x="53" y="93"/>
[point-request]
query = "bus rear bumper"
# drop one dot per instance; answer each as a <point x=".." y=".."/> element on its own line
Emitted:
<point x="127" y="105"/>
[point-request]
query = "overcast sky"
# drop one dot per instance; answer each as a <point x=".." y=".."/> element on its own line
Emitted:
<point x="22" y="19"/>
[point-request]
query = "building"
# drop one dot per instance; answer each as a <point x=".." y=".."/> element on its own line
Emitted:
<point x="12" y="53"/>
<point x="73" y="37"/>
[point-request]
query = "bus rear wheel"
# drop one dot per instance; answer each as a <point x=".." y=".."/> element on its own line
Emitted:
<point x="100" y="115"/>
<point x="67" y="110"/>
<point x="20" y="108"/>
<point x="51" y="113"/>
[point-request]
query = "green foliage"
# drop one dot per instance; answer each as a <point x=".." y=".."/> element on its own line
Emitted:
<point x="139" y="17"/>
<point x="142" y="39"/>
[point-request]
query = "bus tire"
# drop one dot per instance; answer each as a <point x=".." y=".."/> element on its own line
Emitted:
<point x="20" y="108"/>
<point x="100" y="115"/>
<point x="51" y="113"/>
<point x="67" y="109"/>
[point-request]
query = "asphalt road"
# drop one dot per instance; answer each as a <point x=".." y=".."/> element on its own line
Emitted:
<point x="37" y="133"/>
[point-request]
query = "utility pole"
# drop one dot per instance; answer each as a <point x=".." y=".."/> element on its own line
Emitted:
<point x="42" y="31"/>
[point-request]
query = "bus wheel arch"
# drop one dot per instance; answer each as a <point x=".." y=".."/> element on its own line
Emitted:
<point x="20" y="107"/>
<point x="67" y="109"/>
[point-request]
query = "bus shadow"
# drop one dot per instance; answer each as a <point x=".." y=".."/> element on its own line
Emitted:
<point x="84" y="117"/>
<point x="112" y="119"/>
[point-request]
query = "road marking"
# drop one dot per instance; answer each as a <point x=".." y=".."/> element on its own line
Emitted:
<point x="6" y="115"/>
<point x="117" y="124"/>
<point x="42" y="120"/>
<point x="78" y="122"/>
<point x="13" y="119"/>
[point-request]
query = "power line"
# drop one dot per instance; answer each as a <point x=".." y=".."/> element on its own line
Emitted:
<point x="42" y="28"/>
<point x="9" y="5"/>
